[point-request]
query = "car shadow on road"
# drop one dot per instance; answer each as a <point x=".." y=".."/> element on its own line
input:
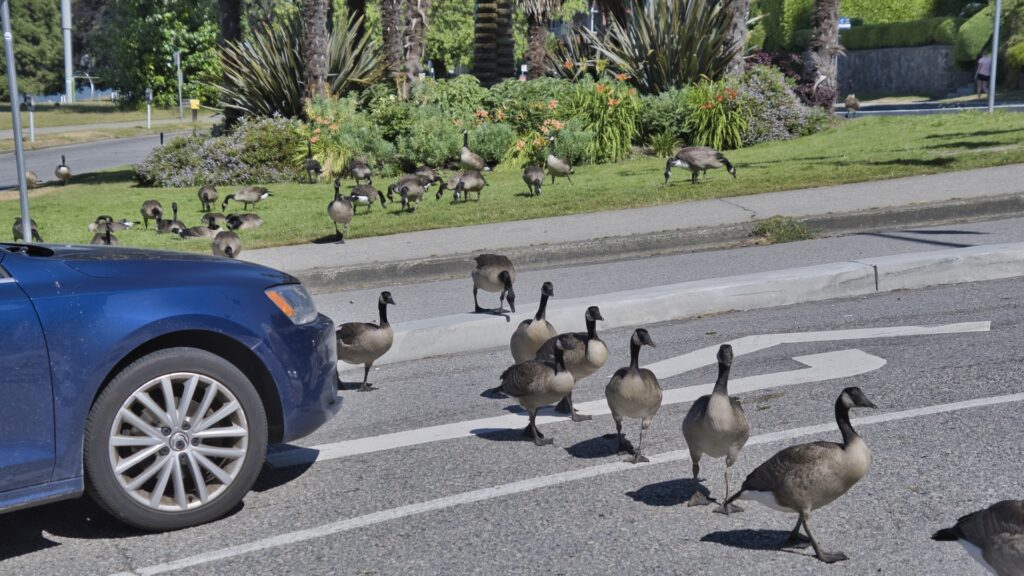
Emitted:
<point x="28" y="531"/>
<point x="669" y="493"/>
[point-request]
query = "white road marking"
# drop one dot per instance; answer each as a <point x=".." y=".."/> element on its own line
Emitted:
<point x="531" y="484"/>
<point x="841" y="364"/>
<point x="827" y="366"/>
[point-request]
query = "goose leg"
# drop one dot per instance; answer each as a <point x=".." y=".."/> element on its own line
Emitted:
<point x="366" y="374"/>
<point x="623" y="444"/>
<point x="698" y="498"/>
<point x="569" y="178"/>
<point x="826" y="557"/>
<point x="727" y="508"/>
<point x="476" y="303"/>
<point x="565" y="406"/>
<point x="532" y="432"/>
<point x="638" y="456"/>
<point x="797" y="540"/>
<point x="341" y="237"/>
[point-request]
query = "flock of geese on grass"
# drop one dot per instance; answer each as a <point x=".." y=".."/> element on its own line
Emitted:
<point x="796" y="480"/>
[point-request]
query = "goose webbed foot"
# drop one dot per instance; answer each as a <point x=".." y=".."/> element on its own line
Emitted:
<point x="367" y="387"/>
<point x="638" y="458"/>
<point x="797" y="541"/>
<point x="698" y="499"/>
<point x="534" y="434"/>
<point x="832" y="557"/>
<point x="727" y="509"/>
<point x="565" y="406"/>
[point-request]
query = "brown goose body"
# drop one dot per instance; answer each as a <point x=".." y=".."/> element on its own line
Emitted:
<point x="206" y="231"/>
<point x="217" y="218"/>
<point x="557" y="166"/>
<point x="494" y="273"/>
<point x="31" y="179"/>
<point x="151" y="210"/>
<point x="248" y="195"/>
<point x="207" y="197"/>
<point x="226" y="243"/>
<point x="697" y="159"/>
<point x="245" y="221"/>
<point x="16" y="230"/>
<point x="531" y="334"/>
<point x="634" y="392"/>
<point x="105" y="238"/>
<point x="359" y="169"/>
<point x="100" y="225"/>
<point x="993" y="536"/>
<point x="852" y="104"/>
<point x="171" y="226"/>
<point x="365" y="342"/>
<point x="588" y="355"/>
<point x="341" y="211"/>
<point x="470" y="160"/>
<point x="537" y="383"/>
<point x="366" y="195"/>
<point x="468" y="181"/>
<point x="62" y="172"/>
<point x="534" y="178"/>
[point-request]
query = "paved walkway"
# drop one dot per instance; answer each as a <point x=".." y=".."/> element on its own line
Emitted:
<point x="140" y="123"/>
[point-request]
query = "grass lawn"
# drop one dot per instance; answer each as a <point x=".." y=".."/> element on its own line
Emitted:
<point x="50" y="115"/>
<point x="871" y="148"/>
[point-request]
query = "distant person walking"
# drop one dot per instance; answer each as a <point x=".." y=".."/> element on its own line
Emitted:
<point x="983" y="73"/>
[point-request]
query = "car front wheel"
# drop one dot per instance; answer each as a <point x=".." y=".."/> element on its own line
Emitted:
<point x="176" y="439"/>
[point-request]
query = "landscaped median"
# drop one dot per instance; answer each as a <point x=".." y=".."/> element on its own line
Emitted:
<point x="862" y="150"/>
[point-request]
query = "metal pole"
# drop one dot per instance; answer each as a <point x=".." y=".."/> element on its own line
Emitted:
<point x="181" y="103"/>
<point x="995" y="59"/>
<point x="19" y="152"/>
<point x="31" y="119"/>
<point x="65" y="24"/>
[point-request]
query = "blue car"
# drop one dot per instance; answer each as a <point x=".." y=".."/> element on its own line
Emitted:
<point x="152" y="380"/>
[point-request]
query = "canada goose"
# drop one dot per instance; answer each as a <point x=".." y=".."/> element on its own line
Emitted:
<point x="359" y="169"/>
<point x="172" y="225"/>
<point x="468" y="181"/>
<point x="537" y="383"/>
<point x="226" y="243"/>
<point x="993" y="536"/>
<point x="207" y="196"/>
<point x="534" y="332"/>
<point x="243" y="221"/>
<point x="428" y="177"/>
<point x="311" y="165"/>
<point x="697" y="159"/>
<point x="105" y="238"/>
<point x="534" y="178"/>
<point x="208" y="230"/>
<point x="366" y="195"/>
<point x="716" y="426"/>
<point x="410" y="190"/>
<point x="101" y="224"/>
<point x="31" y="179"/>
<point x="151" y="210"/>
<point x="217" y="218"/>
<point x="340" y="211"/>
<point x="62" y="172"/>
<point x="852" y="104"/>
<point x="557" y="166"/>
<point x="494" y="273"/>
<point x="470" y="160"/>
<point x="634" y="392"/>
<point x="808" y="476"/>
<point x="364" y="342"/>
<point x="588" y="357"/>
<point x="17" y="231"/>
<point x="247" y="195"/>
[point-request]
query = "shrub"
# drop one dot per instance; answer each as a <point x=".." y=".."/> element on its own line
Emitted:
<point x="392" y="116"/>
<point x="773" y="110"/>
<point x="780" y="229"/>
<point x="609" y="111"/>
<point x="663" y="114"/>
<point x="433" y="139"/>
<point x="664" y="144"/>
<point x="255" y="151"/>
<point x="974" y="37"/>
<point x="491" y="140"/>
<point x="717" y="118"/>
<point x="338" y="132"/>
<point x="783" y="18"/>
<point x="459" y="95"/>
<point x="913" y="33"/>
<point x="526" y="105"/>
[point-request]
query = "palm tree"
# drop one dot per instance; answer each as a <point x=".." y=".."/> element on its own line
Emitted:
<point x="415" y="37"/>
<point x="824" y="51"/>
<point x="391" y="24"/>
<point x="740" y="11"/>
<point x="230" y="12"/>
<point x="313" y="14"/>
<point x="538" y="14"/>
<point x="493" y="43"/>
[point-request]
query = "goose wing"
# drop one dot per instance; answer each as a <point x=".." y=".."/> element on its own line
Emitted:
<point x="485" y="260"/>
<point x="793" y="460"/>
<point x="349" y="331"/>
<point x="519" y="379"/>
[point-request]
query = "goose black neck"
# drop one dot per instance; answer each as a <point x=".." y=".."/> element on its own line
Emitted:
<point x="542" y="309"/>
<point x="465" y="139"/>
<point x="559" y="360"/>
<point x="591" y="329"/>
<point x="634" y="355"/>
<point x="843" y="420"/>
<point x="722" y="384"/>
<point x="382" y="307"/>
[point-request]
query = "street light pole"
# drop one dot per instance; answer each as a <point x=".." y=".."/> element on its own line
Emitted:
<point x="65" y="24"/>
<point x="19" y="152"/>
<point x="181" y="105"/>
<point x="995" y="58"/>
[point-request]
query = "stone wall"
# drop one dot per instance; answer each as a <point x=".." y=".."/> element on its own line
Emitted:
<point x="918" y="70"/>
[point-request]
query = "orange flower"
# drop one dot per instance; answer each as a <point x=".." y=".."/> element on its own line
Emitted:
<point x="316" y="131"/>
<point x="552" y="104"/>
<point x="334" y="126"/>
<point x="613" y="101"/>
<point x="632" y="91"/>
<point x="622" y="77"/>
<point x="481" y="113"/>
<point x="314" y="139"/>
<point x="568" y="64"/>
<point x="543" y="129"/>
<point x="557" y="124"/>
<point x="719" y="98"/>
<point x="520" y="145"/>
<point x="707" y="106"/>
<point x="538" y="141"/>
<point x="601" y="88"/>
<point x="500" y="114"/>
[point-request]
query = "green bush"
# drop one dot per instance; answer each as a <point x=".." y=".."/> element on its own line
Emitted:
<point x="338" y="132"/>
<point x="913" y="33"/>
<point x="663" y="114"/>
<point x="460" y="95"/>
<point x="717" y="118"/>
<point x="784" y="17"/>
<point x="781" y="229"/>
<point x="664" y="143"/>
<point x="773" y="110"/>
<point x="526" y="105"/>
<point x="609" y="111"/>
<point x="433" y="139"/>
<point x="974" y="37"/>
<point x="491" y="140"/>
<point x="392" y="116"/>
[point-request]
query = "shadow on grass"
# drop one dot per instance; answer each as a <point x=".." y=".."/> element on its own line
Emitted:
<point x="123" y="176"/>
<point x="966" y="145"/>
<point x="969" y="134"/>
<point x="933" y="162"/>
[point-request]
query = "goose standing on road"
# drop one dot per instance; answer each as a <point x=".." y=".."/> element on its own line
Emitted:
<point x="494" y="273"/>
<point x="248" y="195"/>
<point x="534" y="178"/>
<point x="340" y="210"/>
<point x="364" y="342"/>
<point x="806" y="477"/>
<point x="470" y="160"/>
<point x="537" y="383"/>
<point x="312" y="165"/>
<point x="556" y="165"/>
<point x="170" y="226"/>
<point x="634" y="392"/>
<point x="716" y="426"/>
<point x="697" y="159"/>
<point x="993" y="536"/>
<point x="533" y="333"/>
<point x="151" y="210"/>
<point x="587" y="357"/>
<point x="226" y="243"/>
<point x="207" y="196"/>
<point x="62" y="171"/>
<point x="17" y="231"/>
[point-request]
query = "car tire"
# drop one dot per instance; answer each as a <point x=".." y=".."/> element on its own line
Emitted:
<point x="160" y="465"/>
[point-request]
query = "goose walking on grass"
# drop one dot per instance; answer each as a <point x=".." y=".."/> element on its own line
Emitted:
<point x="494" y="273"/>
<point x="248" y="195"/>
<point x="312" y="165"/>
<point x="207" y="197"/>
<point x="534" y="178"/>
<point x="359" y="169"/>
<point x="470" y="160"/>
<point x="366" y="195"/>
<point x="226" y="243"/>
<point x="556" y="165"/>
<point x="716" y="426"/>
<point x="340" y="210"/>
<point x="852" y="105"/>
<point x="993" y="536"/>
<point x="17" y="231"/>
<point x="806" y="477"/>
<point x="586" y="358"/>
<point x="697" y="159"/>
<point x="468" y="181"/>
<point x="537" y="383"/>
<point x="634" y="392"/>
<point x="151" y="210"/>
<point x="365" y="342"/>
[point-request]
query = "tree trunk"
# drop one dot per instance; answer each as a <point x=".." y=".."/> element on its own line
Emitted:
<point x="740" y="12"/>
<point x="824" y="51"/>
<point x="357" y="9"/>
<point x="416" y="38"/>
<point x="391" y="24"/>
<point x="493" y="44"/>
<point x="314" y="45"/>
<point x="230" y="12"/>
<point x="536" y="42"/>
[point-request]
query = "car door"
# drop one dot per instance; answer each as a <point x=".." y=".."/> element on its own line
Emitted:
<point x="26" y="397"/>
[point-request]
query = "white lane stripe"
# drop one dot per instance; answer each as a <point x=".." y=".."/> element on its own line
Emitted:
<point x="531" y="484"/>
<point x="821" y="367"/>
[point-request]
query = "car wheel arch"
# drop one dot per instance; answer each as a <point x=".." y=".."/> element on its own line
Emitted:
<point x="227" y="348"/>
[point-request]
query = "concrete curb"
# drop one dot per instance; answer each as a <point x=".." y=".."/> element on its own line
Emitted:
<point x="598" y="250"/>
<point x="472" y="332"/>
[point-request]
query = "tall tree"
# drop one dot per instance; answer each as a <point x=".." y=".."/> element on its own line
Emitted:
<point x="740" y="13"/>
<point x="391" y="28"/>
<point x="416" y="38"/>
<point x="450" y="35"/>
<point x="35" y="25"/>
<point x="821" y="69"/>
<point x="314" y="45"/>
<point x="493" y="43"/>
<point x="230" y="15"/>
<point x="538" y="16"/>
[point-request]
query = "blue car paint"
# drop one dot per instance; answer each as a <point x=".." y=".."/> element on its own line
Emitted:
<point x="97" y="305"/>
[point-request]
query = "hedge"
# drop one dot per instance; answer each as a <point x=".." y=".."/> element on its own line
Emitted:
<point x="975" y="36"/>
<point x="896" y="34"/>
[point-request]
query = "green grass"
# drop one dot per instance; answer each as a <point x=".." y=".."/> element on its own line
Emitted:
<point x="50" y="115"/>
<point x="781" y="229"/>
<point x="872" y="148"/>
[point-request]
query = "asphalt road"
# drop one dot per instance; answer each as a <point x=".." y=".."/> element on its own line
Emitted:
<point x="483" y="501"/>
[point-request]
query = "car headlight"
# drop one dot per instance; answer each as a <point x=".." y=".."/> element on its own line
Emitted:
<point x="294" y="301"/>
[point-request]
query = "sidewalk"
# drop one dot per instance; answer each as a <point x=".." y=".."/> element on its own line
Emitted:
<point x="683" y="227"/>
